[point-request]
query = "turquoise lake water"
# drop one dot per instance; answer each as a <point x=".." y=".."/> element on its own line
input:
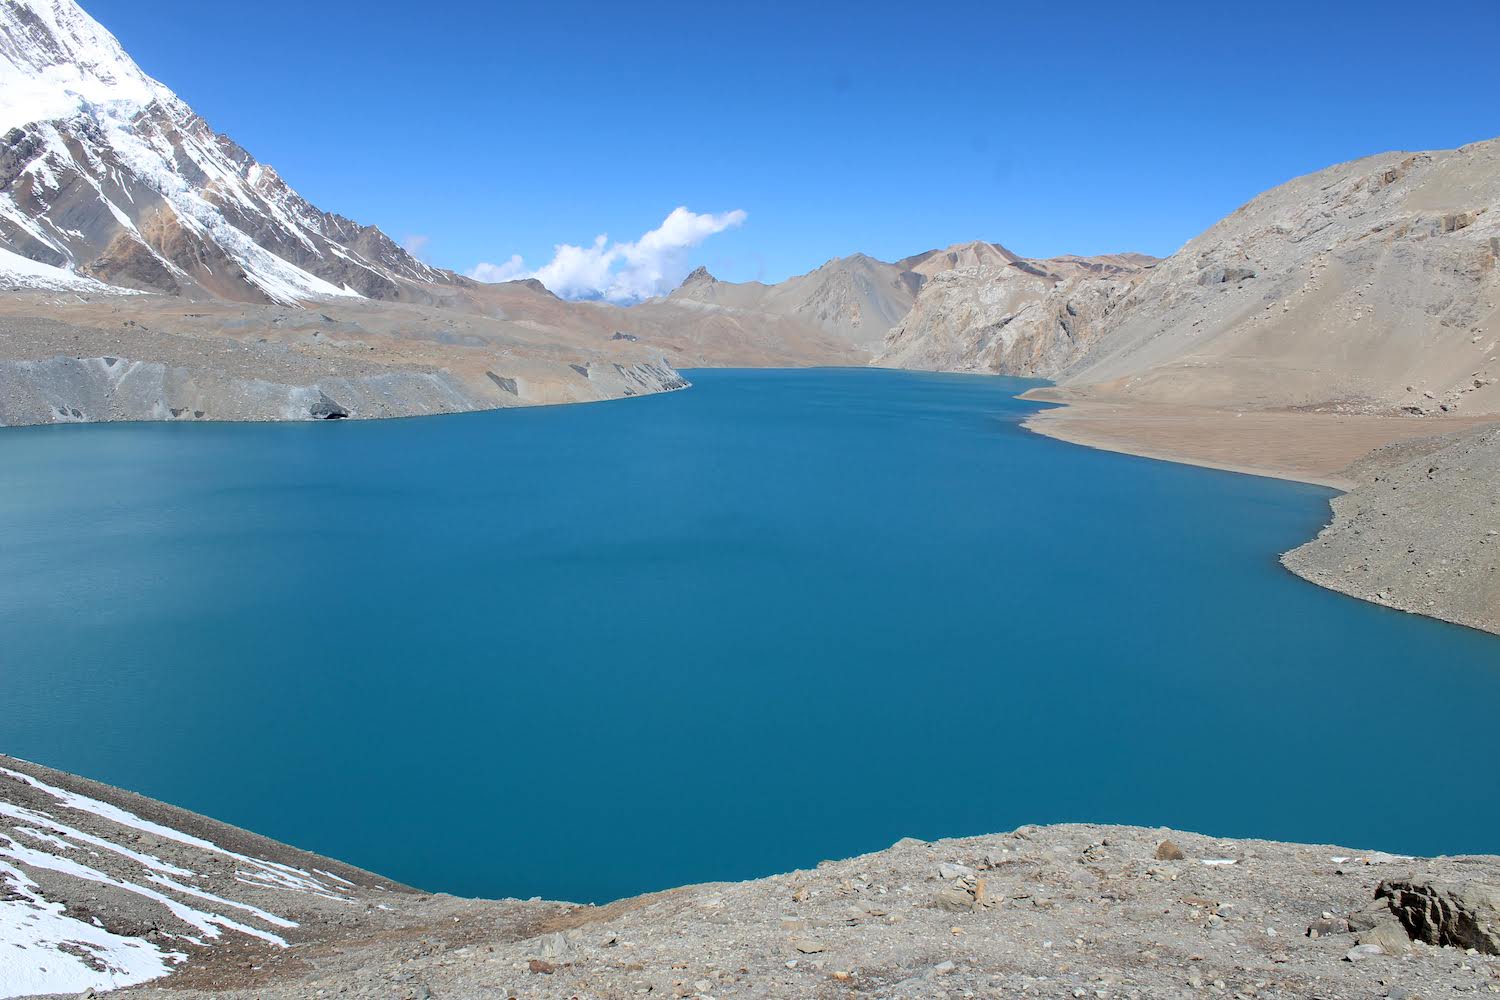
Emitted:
<point x="583" y="652"/>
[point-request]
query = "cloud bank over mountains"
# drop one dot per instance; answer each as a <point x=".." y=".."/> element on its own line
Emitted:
<point x="620" y="272"/>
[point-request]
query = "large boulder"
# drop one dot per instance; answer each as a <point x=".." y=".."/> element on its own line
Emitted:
<point x="1447" y="913"/>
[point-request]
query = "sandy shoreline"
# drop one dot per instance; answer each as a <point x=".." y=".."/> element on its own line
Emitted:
<point x="1314" y="448"/>
<point x="1411" y="527"/>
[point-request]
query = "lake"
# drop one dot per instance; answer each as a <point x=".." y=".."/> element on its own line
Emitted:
<point x="588" y="651"/>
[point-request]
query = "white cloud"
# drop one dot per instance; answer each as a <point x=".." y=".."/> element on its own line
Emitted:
<point x="620" y="272"/>
<point x="416" y="245"/>
<point x="509" y="271"/>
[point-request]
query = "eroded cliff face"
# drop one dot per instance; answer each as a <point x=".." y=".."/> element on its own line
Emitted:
<point x="1017" y="317"/>
<point x="67" y="358"/>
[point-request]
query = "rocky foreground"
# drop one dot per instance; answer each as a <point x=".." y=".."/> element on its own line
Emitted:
<point x="101" y="888"/>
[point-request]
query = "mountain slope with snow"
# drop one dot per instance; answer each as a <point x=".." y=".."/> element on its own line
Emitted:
<point x="106" y="173"/>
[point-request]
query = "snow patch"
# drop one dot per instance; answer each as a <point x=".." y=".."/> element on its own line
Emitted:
<point x="281" y="876"/>
<point x="23" y="272"/>
<point x="42" y="949"/>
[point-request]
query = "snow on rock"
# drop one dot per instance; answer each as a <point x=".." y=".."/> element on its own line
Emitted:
<point x="21" y="272"/>
<point x="56" y="61"/>
<point x="102" y="150"/>
<point x="43" y="950"/>
<point x="279" y="875"/>
<point x="208" y="922"/>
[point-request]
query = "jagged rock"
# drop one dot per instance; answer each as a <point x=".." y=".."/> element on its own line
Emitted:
<point x="1446" y="913"/>
<point x="326" y="409"/>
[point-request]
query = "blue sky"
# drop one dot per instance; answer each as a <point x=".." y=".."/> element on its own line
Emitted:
<point x="493" y="129"/>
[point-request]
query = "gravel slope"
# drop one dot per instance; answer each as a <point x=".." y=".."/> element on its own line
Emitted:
<point x="1062" y="911"/>
<point x="70" y="358"/>
<point x="1420" y="532"/>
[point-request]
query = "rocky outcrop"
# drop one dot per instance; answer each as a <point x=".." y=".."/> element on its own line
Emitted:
<point x="1018" y="317"/>
<point x="1419" y="532"/>
<point x="1447" y="915"/>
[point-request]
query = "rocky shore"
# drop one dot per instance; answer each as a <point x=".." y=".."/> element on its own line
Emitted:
<point x="100" y="888"/>
<point x="1417" y="526"/>
<point x="148" y="357"/>
<point x="1419" y="531"/>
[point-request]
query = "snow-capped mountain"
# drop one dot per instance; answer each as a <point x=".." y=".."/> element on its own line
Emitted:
<point x="107" y="174"/>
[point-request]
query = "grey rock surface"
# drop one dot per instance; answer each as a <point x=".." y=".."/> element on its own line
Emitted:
<point x="1421" y="531"/>
<point x="1455" y="915"/>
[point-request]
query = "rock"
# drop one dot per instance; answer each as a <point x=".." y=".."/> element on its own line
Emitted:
<point x="1447" y="914"/>
<point x="807" y="946"/>
<point x="556" y="947"/>
<point x="326" y="409"/>
<point x="1225" y="275"/>
<point x="1360" y="952"/>
<point x="944" y="968"/>
<point x="540" y="967"/>
<point x="1389" y="936"/>
<point x="955" y="898"/>
<point x="950" y="871"/>
<point x="505" y="383"/>
<point x="1325" y="926"/>
<point x="1168" y="851"/>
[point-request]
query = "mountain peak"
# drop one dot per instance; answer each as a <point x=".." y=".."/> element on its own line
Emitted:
<point x="699" y="276"/>
<point x="56" y="60"/>
<point x="109" y="174"/>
